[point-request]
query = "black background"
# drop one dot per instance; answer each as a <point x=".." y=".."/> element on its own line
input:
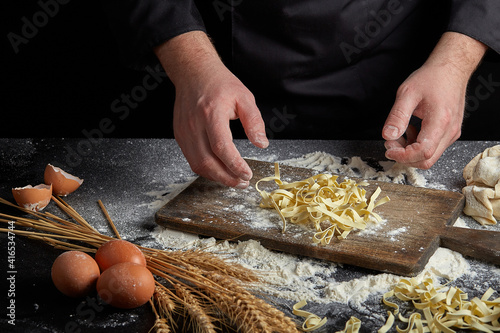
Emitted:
<point x="63" y="81"/>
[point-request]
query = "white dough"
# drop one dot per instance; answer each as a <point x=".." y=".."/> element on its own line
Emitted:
<point x="482" y="193"/>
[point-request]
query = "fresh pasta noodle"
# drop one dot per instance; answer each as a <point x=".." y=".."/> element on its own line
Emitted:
<point x="335" y="209"/>
<point x="442" y="309"/>
<point x="351" y="326"/>
<point x="312" y="322"/>
<point x="388" y="324"/>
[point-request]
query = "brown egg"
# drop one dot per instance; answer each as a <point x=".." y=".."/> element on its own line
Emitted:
<point x="33" y="198"/>
<point x="62" y="182"/>
<point x="118" y="251"/>
<point x="126" y="285"/>
<point x="75" y="273"/>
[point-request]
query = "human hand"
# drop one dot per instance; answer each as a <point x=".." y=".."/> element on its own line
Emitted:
<point x="437" y="97"/>
<point x="208" y="96"/>
<point x="202" y="111"/>
<point x="435" y="93"/>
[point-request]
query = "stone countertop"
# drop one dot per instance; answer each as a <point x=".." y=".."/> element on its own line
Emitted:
<point x="126" y="174"/>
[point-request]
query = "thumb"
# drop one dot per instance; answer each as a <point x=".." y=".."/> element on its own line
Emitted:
<point x="399" y="116"/>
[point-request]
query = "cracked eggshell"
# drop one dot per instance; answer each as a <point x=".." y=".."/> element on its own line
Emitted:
<point x="33" y="198"/>
<point x="62" y="182"/>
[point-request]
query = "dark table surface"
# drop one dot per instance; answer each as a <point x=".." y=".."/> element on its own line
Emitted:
<point x="121" y="173"/>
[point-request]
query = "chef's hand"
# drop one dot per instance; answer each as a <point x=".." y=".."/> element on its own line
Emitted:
<point x="435" y="93"/>
<point x="208" y="96"/>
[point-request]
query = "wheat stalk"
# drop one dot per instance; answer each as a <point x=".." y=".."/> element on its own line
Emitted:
<point x="196" y="310"/>
<point x="166" y="303"/>
<point x="250" y="313"/>
<point x="160" y="325"/>
<point x="195" y="284"/>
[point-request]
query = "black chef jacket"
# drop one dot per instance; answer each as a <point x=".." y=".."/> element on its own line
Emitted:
<point x="318" y="68"/>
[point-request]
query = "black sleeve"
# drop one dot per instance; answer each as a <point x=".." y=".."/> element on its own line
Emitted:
<point x="140" y="25"/>
<point x="479" y="19"/>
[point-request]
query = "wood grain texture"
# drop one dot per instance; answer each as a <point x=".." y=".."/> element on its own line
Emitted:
<point x="416" y="218"/>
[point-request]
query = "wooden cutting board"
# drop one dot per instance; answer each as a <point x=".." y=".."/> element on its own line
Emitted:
<point x="418" y="221"/>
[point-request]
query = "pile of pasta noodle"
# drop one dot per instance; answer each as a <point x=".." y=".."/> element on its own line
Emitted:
<point x="443" y="308"/>
<point x="335" y="209"/>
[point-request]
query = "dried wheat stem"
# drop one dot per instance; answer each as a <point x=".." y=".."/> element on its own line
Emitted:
<point x="59" y="229"/>
<point x="164" y="299"/>
<point x="8" y="203"/>
<point x="171" y="277"/>
<point x="73" y="213"/>
<point x="161" y="266"/>
<point x="168" y="303"/>
<point x="45" y="216"/>
<point x="110" y="221"/>
<point x="205" y="261"/>
<point x="192" y="274"/>
<point x="241" y="312"/>
<point x="194" y="307"/>
<point x="62" y="221"/>
<point x="246" y="317"/>
<point x="213" y="263"/>
<point x="160" y="325"/>
<point x="201" y="283"/>
<point x="252" y="311"/>
<point x="49" y="239"/>
<point x="67" y="246"/>
<point x="63" y="245"/>
<point x="40" y="235"/>
<point x="153" y="308"/>
<point x="41" y="220"/>
<point x="57" y="232"/>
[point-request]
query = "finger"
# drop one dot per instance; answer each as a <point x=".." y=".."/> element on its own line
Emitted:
<point x="393" y="144"/>
<point x="399" y="117"/>
<point x="427" y="141"/>
<point x="221" y="144"/>
<point x="411" y="134"/>
<point x="403" y="141"/>
<point x="420" y="153"/>
<point x="252" y="122"/>
<point x="194" y="143"/>
<point x="443" y="144"/>
<point x="439" y="130"/>
<point x="206" y="164"/>
<point x="428" y="163"/>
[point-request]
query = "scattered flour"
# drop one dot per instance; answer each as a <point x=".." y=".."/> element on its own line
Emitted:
<point x="295" y="278"/>
<point x="387" y="171"/>
<point x="397" y="231"/>
<point x="160" y="198"/>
